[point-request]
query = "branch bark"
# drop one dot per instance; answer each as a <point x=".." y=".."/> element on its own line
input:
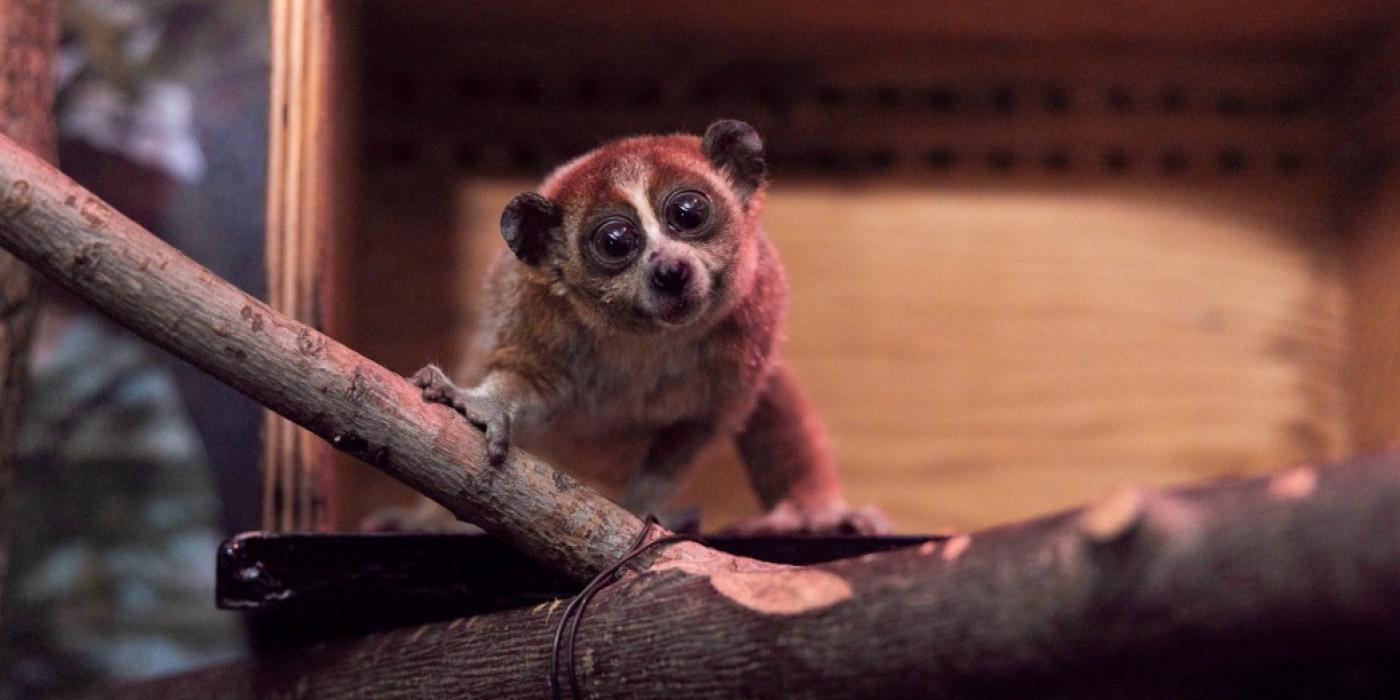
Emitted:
<point x="1260" y="582"/>
<point x="28" y="42"/>
<point x="69" y="234"/>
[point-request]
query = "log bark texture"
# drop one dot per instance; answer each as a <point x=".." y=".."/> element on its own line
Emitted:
<point x="1257" y="582"/>
<point x="69" y="234"/>
<point x="28" y="44"/>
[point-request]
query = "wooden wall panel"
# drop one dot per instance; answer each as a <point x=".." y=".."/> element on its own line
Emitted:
<point x="1029" y="261"/>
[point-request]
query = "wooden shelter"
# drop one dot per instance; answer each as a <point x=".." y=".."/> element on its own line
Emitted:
<point x="1035" y="251"/>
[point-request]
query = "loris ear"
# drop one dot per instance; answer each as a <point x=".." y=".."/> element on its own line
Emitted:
<point x="527" y="223"/>
<point x="734" y="147"/>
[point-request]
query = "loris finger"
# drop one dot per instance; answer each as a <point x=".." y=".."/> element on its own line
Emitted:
<point x="435" y="384"/>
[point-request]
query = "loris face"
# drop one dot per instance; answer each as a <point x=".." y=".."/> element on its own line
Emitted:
<point x="647" y="233"/>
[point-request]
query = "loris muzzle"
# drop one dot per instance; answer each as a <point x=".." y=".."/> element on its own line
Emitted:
<point x="636" y="319"/>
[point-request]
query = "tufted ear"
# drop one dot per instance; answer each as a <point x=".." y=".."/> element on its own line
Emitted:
<point x="734" y="147"/>
<point x="526" y="225"/>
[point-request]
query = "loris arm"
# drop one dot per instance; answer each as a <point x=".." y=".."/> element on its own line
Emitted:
<point x="788" y="458"/>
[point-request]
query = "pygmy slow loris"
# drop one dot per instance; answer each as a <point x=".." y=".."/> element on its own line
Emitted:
<point x="637" y="318"/>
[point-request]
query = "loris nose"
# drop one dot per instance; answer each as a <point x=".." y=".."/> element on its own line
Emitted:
<point x="670" y="276"/>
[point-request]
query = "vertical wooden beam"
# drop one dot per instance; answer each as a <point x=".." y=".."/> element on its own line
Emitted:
<point x="28" y="41"/>
<point x="298" y="222"/>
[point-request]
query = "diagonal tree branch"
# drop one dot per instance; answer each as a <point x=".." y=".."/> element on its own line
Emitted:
<point x="67" y="233"/>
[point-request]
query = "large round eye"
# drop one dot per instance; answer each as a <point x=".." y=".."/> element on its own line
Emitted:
<point x="687" y="212"/>
<point x="616" y="241"/>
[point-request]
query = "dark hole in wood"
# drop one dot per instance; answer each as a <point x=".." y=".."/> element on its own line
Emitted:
<point x="942" y="98"/>
<point x="402" y="152"/>
<point x="1173" y="99"/>
<point x="883" y="159"/>
<point x="647" y="93"/>
<point x="471" y="89"/>
<point x="941" y="158"/>
<point x="1291" y="105"/>
<point x="827" y="159"/>
<point x="1119" y="98"/>
<point x="467" y="156"/>
<point x="1057" y="160"/>
<point x="1117" y="161"/>
<point x="706" y="91"/>
<point x="888" y="96"/>
<point x="402" y="88"/>
<point x="1057" y="99"/>
<point x="1289" y="163"/>
<point x="831" y="96"/>
<point x="1004" y="99"/>
<point x="1173" y="161"/>
<point x="588" y="90"/>
<point x="527" y="90"/>
<point x="1001" y="159"/>
<point x="1232" y="161"/>
<point x="772" y="95"/>
<point x="524" y="156"/>
<point x="1231" y="104"/>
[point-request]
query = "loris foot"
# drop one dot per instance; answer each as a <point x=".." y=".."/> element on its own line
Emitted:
<point x="788" y="518"/>
<point x="480" y="409"/>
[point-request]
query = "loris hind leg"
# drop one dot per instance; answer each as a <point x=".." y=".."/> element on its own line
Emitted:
<point x="674" y="448"/>
<point x="788" y="458"/>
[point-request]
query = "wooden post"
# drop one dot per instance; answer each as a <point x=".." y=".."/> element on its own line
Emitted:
<point x="300" y="193"/>
<point x="28" y="42"/>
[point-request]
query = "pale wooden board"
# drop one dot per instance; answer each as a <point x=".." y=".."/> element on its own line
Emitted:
<point x="986" y="355"/>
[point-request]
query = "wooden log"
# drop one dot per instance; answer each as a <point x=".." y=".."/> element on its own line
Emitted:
<point x="28" y="43"/>
<point x="1239" y="586"/>
<point x="69" y="234"/>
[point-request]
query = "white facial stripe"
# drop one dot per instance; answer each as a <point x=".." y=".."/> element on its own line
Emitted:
<point x="634" y="189"/>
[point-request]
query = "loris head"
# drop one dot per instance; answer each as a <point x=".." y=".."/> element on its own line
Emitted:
<point x="647" y="233"/>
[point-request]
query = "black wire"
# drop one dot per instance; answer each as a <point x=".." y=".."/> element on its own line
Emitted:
<point x="573" y="613"/>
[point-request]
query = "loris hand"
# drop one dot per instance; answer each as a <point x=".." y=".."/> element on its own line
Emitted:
<point x="788" y="518"/>
<point x="481" y="409"/>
